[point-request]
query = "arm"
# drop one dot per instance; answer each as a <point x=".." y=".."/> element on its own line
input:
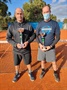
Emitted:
<point x="57" y="35"/>
<point x="37" y="34"/>
<point x="9" y="36"/>
<point x="32" y="35"/>
<point x="53" y="44"/>
<point x="56" y="40"/>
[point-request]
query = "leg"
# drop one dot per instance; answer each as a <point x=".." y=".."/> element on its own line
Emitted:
<point x="41" y="57"/>
<point x="43" y="64"/>
<point x="30" y="73"/>
<point x="54" y="66"/>
<point x="27" y="61"/>
<point x="17" y="60"/>
<point x="17" y="67"/>
<point x="43" y="69"/>
<point x="29" y="67"/>
<point x="17" y="74"/>
<point x="57" y="79"/>
<point x="51" y="57"/>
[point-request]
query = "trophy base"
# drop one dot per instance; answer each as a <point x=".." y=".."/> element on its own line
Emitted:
<point x="22" y="45"/>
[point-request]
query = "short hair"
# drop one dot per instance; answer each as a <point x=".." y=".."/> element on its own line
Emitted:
<point x="48" y="6"/>
<point x="18" y="8"/>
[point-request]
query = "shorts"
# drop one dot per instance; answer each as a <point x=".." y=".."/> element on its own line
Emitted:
<point x="49" y="55"/>
<point x="18" y="57"/>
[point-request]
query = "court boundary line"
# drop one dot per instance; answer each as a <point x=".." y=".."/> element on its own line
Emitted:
<point x="4" y="52"/>
<point x="61" y="40"/>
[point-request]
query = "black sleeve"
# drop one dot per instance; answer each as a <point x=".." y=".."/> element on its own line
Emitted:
<point x="56" y="40"/>
<point x="9" y="36"/>
<point x="32" y="34"/>
<point x="57" y="35"/>
<point x="37" y="34"/>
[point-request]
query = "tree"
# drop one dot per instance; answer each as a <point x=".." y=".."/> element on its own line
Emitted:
<point x="4" y="15"/>
<point x="58" y="20"/>
<point x="9" y="13"/>
<point x="5" y="1"/>
<point x="65" y="20"/>
<point x="53" y="17"/>
<point x="33" y="11"/>
<point x="3" y="9"/>
<point x="30" y="1"/>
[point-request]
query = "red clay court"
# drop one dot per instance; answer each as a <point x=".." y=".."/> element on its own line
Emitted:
<point x="24" y="83"/>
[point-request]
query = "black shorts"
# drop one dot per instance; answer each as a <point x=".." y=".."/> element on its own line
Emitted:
<point x="18" y="57"/>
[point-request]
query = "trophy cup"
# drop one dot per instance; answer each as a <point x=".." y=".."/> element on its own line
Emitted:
<point x="21" y="30"/>
<point x="42" y="34"/>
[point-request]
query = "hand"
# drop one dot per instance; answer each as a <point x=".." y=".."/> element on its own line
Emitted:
<point x="42" y="47"/>
<point x="48" y="47"/>
<point x="19" y="46"/>
<point x="25" y="44"/>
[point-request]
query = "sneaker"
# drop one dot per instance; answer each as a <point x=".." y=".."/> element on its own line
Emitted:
<point x="42" y="74"/>
<point x="31" y="76"/>
<point x="57" y="79"/>
<point x="16" y="78"/>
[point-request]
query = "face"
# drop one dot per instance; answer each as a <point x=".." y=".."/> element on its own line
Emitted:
<point x="45" y="10"/>
<point x="19" y="15"/>
<point x="46" y="13"/>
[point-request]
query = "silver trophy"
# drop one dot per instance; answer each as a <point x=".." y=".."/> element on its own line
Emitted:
<point x="21" y="30"/>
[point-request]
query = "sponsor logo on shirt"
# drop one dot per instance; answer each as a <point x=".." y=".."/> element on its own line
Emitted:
<point x="46" y="29"/>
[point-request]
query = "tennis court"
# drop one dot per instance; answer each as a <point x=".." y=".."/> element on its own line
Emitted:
<point x="24" y="83"/>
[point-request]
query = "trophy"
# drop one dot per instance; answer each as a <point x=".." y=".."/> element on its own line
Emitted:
<point x="42" y="34"/>
<point x="21" y="30"/>
<point x="42" y="38"/>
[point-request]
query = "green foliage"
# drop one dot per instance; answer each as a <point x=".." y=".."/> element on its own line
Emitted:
<point x="65" y="20"/>
<point x="3" y="9"/>
<point x="3" y="23"/>
<point x="30" y="1"/>
<point x="4" y="15"/>
<point x="5" y="1"/>
<point x="53" y="17"/>
<point x="32" y="11"/>
<point x="9" y="13"/>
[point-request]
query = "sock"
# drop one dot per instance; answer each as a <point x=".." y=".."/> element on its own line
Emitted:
<point x="43" y="70"/>
<point x="30" y="71"/>
<point x="55" y="71"/>
<point x="17" y="72"/>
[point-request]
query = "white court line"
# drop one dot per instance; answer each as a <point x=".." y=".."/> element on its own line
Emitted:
<point x="3" y="41"/>
<point x="61" y="40"/>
